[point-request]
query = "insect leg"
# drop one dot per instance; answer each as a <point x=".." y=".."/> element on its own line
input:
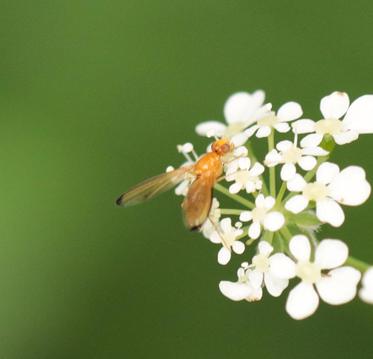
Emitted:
<point x="218" y="231"/>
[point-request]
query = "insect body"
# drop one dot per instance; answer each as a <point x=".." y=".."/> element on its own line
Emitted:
<point x="197" y="203"/>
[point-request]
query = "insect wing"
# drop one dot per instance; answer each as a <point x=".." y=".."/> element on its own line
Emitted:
<point x="151" y="187"/>
<point x="197" y="203"/>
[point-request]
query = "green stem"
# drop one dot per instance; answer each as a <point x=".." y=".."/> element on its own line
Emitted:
<point x="235" y="197"/>
<point x="229" y="211"/>
<point x="286" y="233"/>
<point x="244" y="234"/>
<point x="358" y="264"/>
<point x="272" y="170"/>
<point x="281" y="193"/>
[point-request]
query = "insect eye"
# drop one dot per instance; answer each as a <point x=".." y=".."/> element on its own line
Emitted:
<point x="225" y="148"/>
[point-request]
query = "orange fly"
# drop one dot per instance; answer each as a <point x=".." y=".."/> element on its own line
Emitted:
<point x="197" y="203"/>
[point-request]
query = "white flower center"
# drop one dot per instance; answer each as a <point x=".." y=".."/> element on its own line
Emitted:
<point x="308" y="272"/>
<point x="329" y="126"/>
<point x="292" y="155"/>
<point x="269" y="120"/>
<point x="258" y="214"/>
<point x="315" y="191"/>
<point x="229" y="237"/>
<point x="242" y="177"/>
<point x="261" y="263"/>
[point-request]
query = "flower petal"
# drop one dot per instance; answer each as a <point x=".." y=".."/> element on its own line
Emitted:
<point x="255" y="295"/>
<point x="311" y="140"/>
<point x="226" y="225"/>
<point x="211" y="128"/>
<point x="263" y="131"/>
<point x="265" y="248"/>
<point x="214" y="237"/>
<point x="366" y="292"/>
<point x="296" y="204"/>
<point x="273" y="221"/>
<point x="350" y="187"/>
<point x="244" y="163"/>
<point x="250" y="187"/>
<point x="255" y="278"/>
<point x="241" y="106"/>
<point x="296" y="184"/>
<point x="269" y="202"/>
<point x="241" y="151"/>
<point x="282" y="127"/>
<point x="288" y="171"/>
<point x="367" y="280"/>
<point x="250" y="131"/>
<point x="345" y="137"/>
<point x="282" y="266"/>
<point x="289" y="111"/>
<point x="275" y="286"/>
<point x="302" y="301"/>
<point x="307" y="163"/>
<point x="246" y="216"/>
<point x="235" y="188"/>
<point x="239" y="139"/>
<point x="359" y="116"/>
<point x="329" y="211"/>
<point x="234" y="290"/>
<point x="334" y="105"/>
<point x="224" y="256"/>
<point x="284" y="145"/>
<point x="303" y="126"/>
<point x="272" y="158"/>
<point x="331" y="253"/>
<point x="254" y="230"/>
<point x="300" y="247"/>
<point x="327" y="172"/>
<point x="260" y="201"/>
<point x="314" y="151"/>
<point x="238" y="247"/>
<point x="339" y="285"/>
<point x="256" y="170"/>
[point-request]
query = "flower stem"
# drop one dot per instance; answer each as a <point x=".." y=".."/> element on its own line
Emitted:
<point x="272" y="170"/>
<point x="235" y="197"/>
<point x="230" y="211"/>
<point x="281" y="193"/>
<point x="358" y="264"/>
<point x="286" y="233"/>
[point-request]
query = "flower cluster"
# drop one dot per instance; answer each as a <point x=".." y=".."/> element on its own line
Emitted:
<point x="285" y="198"/>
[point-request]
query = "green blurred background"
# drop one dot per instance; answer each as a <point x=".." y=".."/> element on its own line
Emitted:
<point x="94" y="96"/>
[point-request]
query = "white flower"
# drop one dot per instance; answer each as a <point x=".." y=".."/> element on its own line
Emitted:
<point x="337" y="286"/>
<point x="262" y="216"/>
<point x="332" y="187"/>
<point x="288" y="112"/>
<point x="358" y="119"/>
<point x="290" y="155"/>
<point x="240" y="110"/>
<point x="366" y="292"/>
<point x="209" y="227"/>
<point x="244" y="175"/>
<point x="260" y="271"/>
<point x="227" y="235"/>
<point x="242" y="289"/>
